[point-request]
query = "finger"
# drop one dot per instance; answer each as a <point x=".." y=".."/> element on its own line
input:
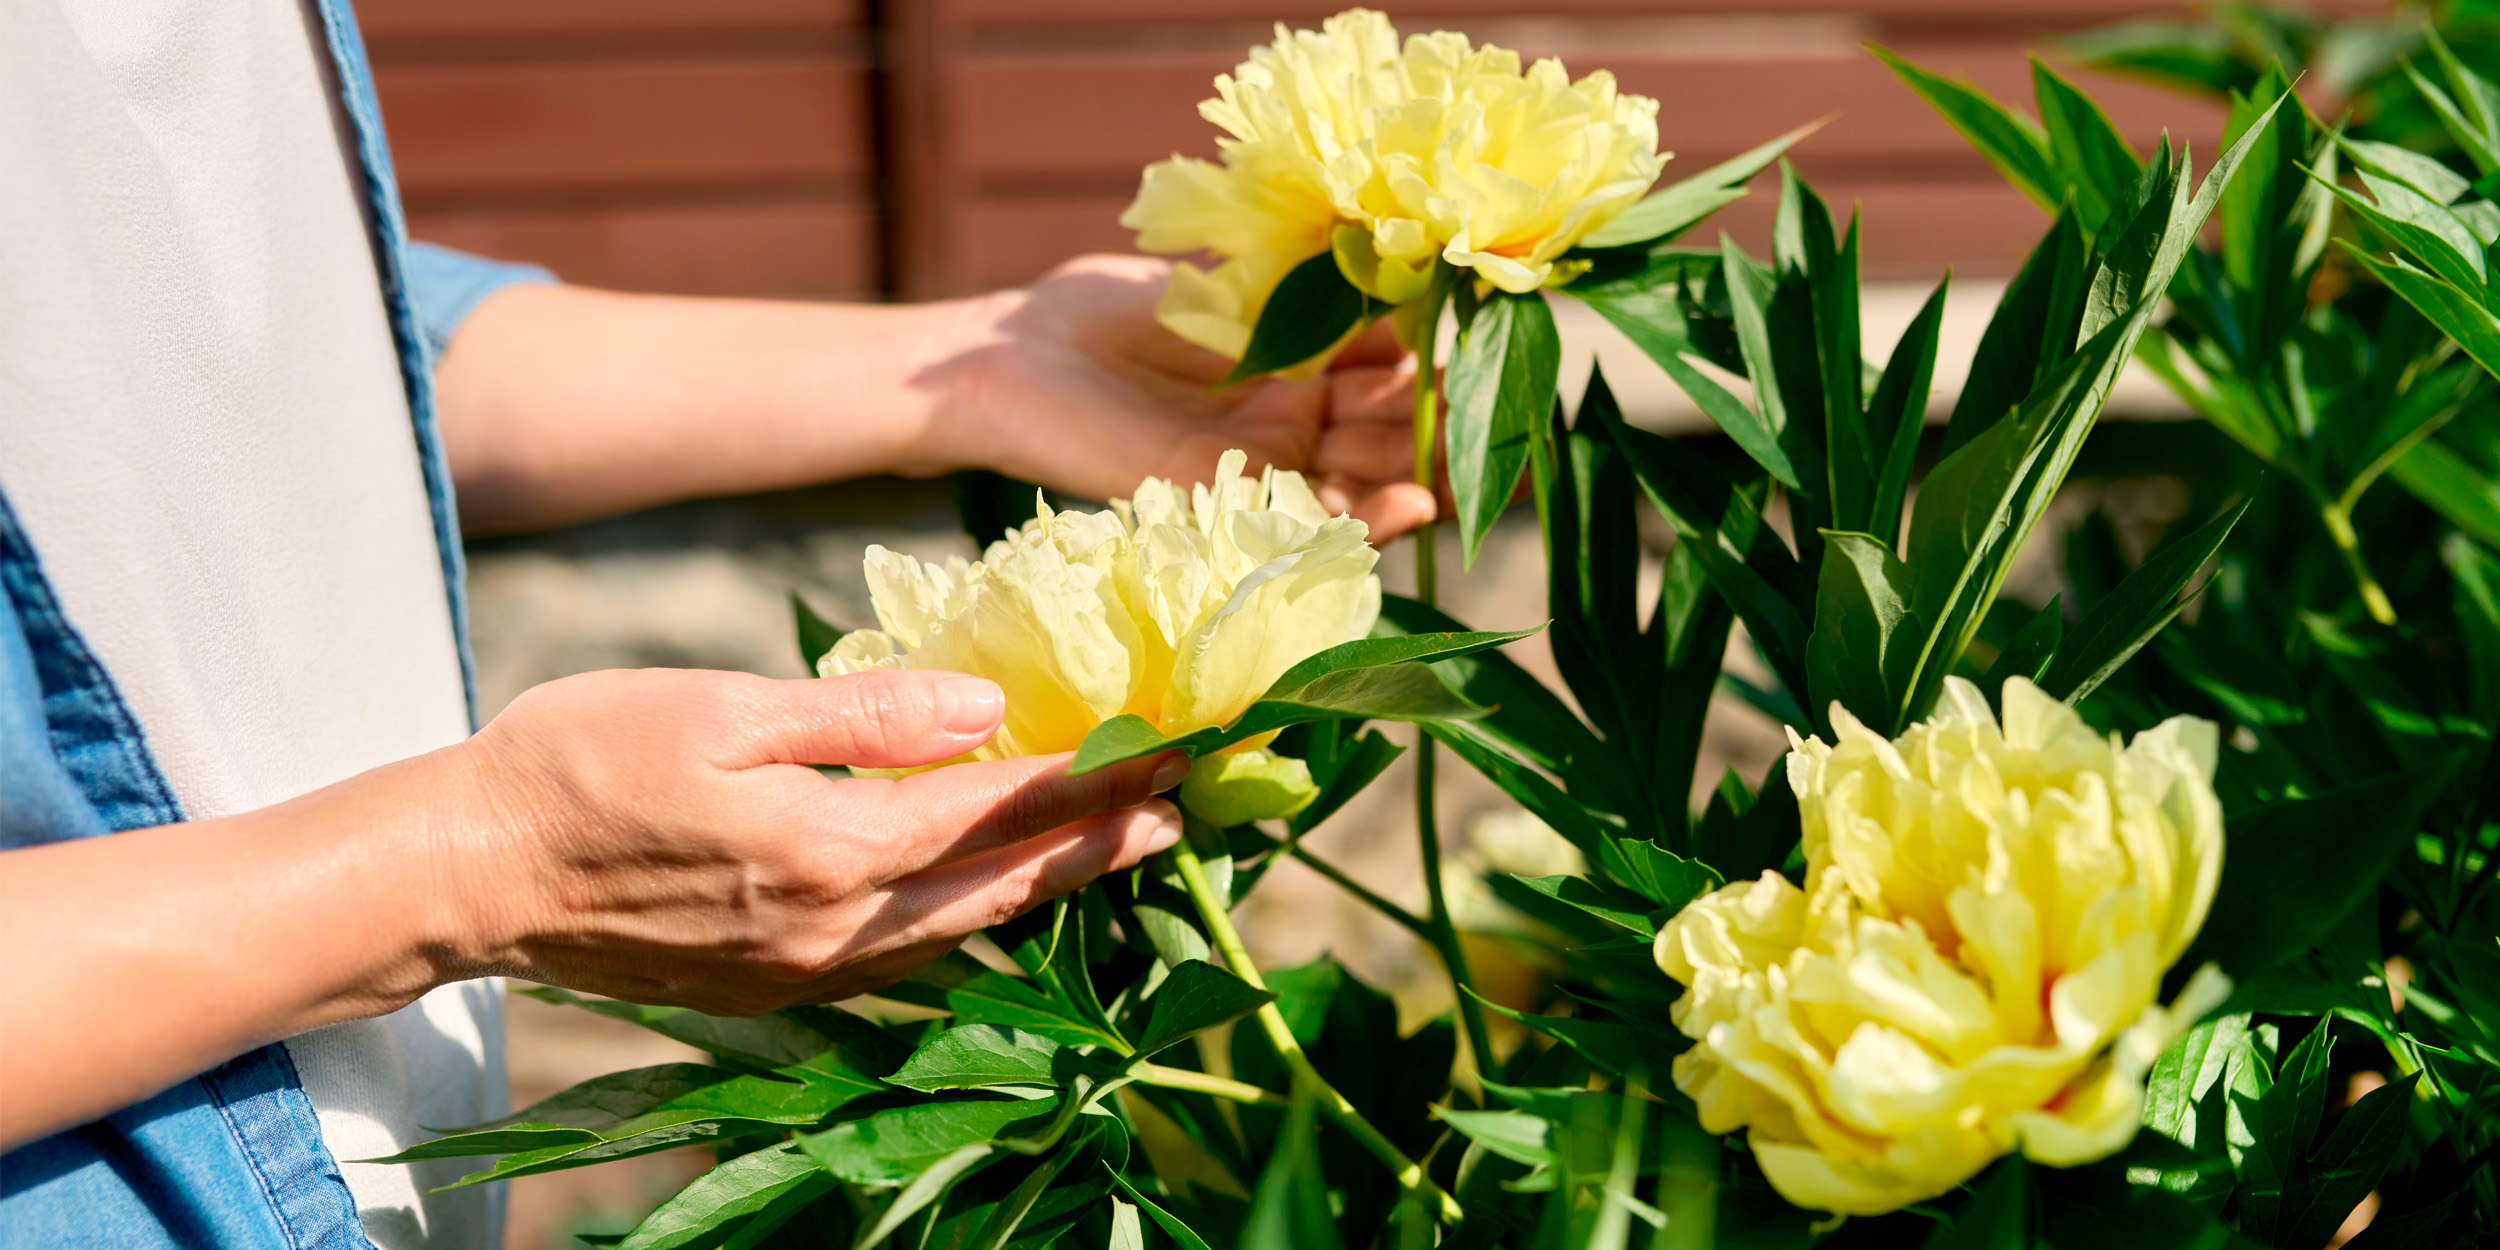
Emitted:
<point x="1372" y="395"/>
<point x="991" y="889"/>
<point x="1377" y="345"/>
<point x="1379" y="452"/>
<point x="893" y="718"/>
<point x="1395" y="510"/>
<point x="968" y="810"/>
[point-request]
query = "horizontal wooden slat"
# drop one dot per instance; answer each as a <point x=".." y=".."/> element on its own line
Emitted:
<point x="1912" y="230"/>
<point x="819" y="250"/>
<point x="501" y="127"/>
<point x="1035" y="114"/>
<point x="384" y="19"/>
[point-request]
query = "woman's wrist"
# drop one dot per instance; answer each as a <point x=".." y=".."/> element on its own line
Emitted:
<point x="946" y="356"/>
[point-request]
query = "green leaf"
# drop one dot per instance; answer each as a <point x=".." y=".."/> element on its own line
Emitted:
<point x="2479" y="147"/>
<point x="2097" y="1207"/>
<point x="996" y="998"/>
<point x="2277" y="1126"/>
<point x="1501" y="386"/>
<point x="1514" y="1135"/>
<point x="1543" y="799"/>
<point x="821" y="1045"/>
<point x="817" y="635"/>
<point x="635" y="1112"/>
<point x="2472" y="100"/>
<point x="586" y="1114"/>
<point x="1895" y="415"/>
<point x="1587" y="897"/>
<point x="2088" y="153"/>
<point x="979" y="1056"/>
<point x="1181" y="1234"/>
<point x="1743" y="559"/>
<point x="1750" y="290"/>
<point x="1195" y="997"/>
<point x="1374" y="678"/>
<point x="896" y="1145"/>
<point x="2422" y="173"/>
<point x="2292" y="869"/>
<point x="2434" y="236"/>
<point x="2028" y="654"/>
<point x="1617" y="1049"/>
<point x="1664" y="878"/>
<point x="2368" y="1140"/>
<point x="1527" y="718"/>
<point x="1290" y="1209"/>
<point x="2196" y="57"/>
<point x="1310" y="311"/>
<point x="1010" y="1212"/>
<point x="1853" y="656"/>
<point x="1128" y="1232"/>
<point x="1998" y="1215"/>
<point x="2136" y="609"/>
<point x="930" y="1186"/>
<point x="2013" y="143"/>
<point x="1678" y="206"/>
<point x="1747" y="429"/>
<point x="2463" y="495"/>
<point x="2458" y="313"/>
<point x="764" y="1187"/>
<point x="2033" y="329"/>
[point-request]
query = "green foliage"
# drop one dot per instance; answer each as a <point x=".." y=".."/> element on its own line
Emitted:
<point x="816" y="635"/>
<point x="1386" y="678"/>
<point x="1501" y="388"/>
<point x="1311" y="311"/>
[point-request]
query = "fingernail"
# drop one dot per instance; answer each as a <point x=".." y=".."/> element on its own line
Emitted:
<point x="1166" y="833"/>
<point x="970" y="705"/>
<point x="1170" y="773"/>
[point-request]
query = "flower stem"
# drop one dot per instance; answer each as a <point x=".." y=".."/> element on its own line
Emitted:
<point x="1423" y="338"/>
<point x="1203" y="1083"/>
<point x="2337" y="516"/>
<point x="1213" y="911"/>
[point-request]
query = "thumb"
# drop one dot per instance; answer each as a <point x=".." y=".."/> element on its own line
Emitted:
<point x="892" y="718"/>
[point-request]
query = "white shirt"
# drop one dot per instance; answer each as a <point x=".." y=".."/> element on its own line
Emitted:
<point x="203" y="430"/>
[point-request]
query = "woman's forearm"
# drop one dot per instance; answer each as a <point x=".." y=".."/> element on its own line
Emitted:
<point x="564" y="403"/>
<point x="139" y="959"/>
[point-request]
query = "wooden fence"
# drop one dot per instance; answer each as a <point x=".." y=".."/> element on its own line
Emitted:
<point x="914" y="148"/>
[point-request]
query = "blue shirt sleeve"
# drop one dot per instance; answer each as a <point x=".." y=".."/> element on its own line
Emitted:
<point x="445" y="286"/>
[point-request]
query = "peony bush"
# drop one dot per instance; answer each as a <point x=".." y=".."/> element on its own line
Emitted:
<point x="2158" y="914"/>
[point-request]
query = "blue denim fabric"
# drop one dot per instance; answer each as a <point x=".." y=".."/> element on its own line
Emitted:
<point x="446" y="286"/>
<point x="232" y="1158"/>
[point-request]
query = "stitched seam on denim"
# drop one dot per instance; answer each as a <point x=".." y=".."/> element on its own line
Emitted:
<point x="87" y="693"/>
<point x="251" y="1158"/>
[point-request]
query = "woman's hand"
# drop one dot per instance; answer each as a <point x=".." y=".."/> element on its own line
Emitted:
<point x="659" y="836"/>
<point x="562" y="403"/>
<point x="653" y="835"/>
<point x="1072" y="383"/>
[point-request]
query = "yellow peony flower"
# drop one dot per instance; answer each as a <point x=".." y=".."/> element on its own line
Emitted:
<point x="1973" y="965"/>
<point x="1181" y="606"/>
<point x="1393" y="156"/>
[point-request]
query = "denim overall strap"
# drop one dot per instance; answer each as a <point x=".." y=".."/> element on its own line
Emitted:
<point x="390" y="257"/>
<point x="230" y="1158"/>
